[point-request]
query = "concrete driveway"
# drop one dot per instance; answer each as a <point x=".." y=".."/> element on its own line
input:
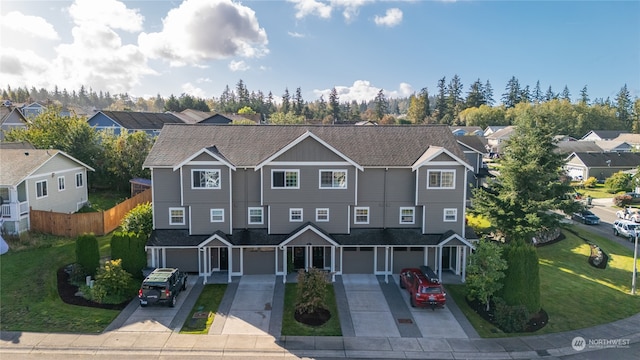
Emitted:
<point x="250" y="312"/>
<point x="156" y="318"/>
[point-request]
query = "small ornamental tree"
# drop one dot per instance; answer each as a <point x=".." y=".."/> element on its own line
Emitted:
<point x="485" y="271"/>
<point x="88" y="253"/>
<point x="112" y="282"/>
<point x="311" y="291"/>
<point x="521" y="283"/>
<point x="618" y="182"/>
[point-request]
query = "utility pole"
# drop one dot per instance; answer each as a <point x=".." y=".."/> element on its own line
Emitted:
<point x="635" y="265"/>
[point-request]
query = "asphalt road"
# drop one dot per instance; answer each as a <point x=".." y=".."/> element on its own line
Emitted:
<point x="607" y="213"/>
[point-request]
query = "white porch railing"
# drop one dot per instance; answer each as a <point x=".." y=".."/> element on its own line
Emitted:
<point x="15" y="210"/>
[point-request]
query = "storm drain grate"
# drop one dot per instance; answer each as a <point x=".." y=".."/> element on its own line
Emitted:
<point x="543" y="353"/>
<point x="405" y="321"/>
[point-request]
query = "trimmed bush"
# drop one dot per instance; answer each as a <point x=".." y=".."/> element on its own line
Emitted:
<point x="311" y="291"/>
<point x="521" y="284"/>
<point x="591" y="182"/>
<point x="510" y="318"/>
<point x="129" y="247"/>
<point x="88" y="253"/>
<point x="139" y="220"/>
<point x="112" y="283"/>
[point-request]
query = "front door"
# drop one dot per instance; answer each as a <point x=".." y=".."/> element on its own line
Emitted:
<point x="318" y="257"/>
<point x="299" y="257"/>
<point x="224" y="259"/>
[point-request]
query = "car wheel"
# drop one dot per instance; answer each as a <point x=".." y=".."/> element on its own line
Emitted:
<point x="615" y="232"/>
<point x="173" y="301"/>
<point x="402" y="285"/>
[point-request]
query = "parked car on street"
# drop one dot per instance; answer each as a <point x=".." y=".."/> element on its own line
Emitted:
<point x="423" y="286"/>
<point x="625" y="228"/>
<point x="629" y="214"/>
<point x="586" y="217"/>
<point x="162" y="286"/>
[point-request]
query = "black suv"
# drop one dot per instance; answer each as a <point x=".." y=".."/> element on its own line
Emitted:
<point x="162" y="286"/>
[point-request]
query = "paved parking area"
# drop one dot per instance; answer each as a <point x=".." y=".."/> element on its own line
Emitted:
<point x="250" y="312"/>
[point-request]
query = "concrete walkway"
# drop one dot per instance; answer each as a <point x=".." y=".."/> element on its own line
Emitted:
<point x="241" y="330"/>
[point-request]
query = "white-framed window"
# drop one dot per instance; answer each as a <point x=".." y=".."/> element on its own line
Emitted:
<point x="217" y="215"/>
<point x="322" y="214"/>
<point x="176" y="216"/>
<point x="361" y="215"/>
<point x="79" y="180"/>
<point x="61" y="184"/>
<point x="407" y="215"/>
<point x="256" y="215"/>
<point x="41" y="189"/>
<point x="333" y="179"/>
<point x="441" y="179"/>
<point x="285" y="179"/>
<point x="450" y="215"/>
<point x="295" y="215"/>
<point x="205" y="179"/>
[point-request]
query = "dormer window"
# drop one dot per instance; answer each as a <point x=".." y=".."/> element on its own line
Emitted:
<point x="205" y="179"/>
<point x="441" y="179"/>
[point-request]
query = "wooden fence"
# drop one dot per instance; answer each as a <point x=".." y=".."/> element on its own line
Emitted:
<point x="72" y="225"/>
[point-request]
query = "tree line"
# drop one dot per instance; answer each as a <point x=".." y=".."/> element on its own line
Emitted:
<point x="449" y="105"/>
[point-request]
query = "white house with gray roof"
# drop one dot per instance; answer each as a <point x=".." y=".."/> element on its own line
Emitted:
<point x="48" y="180"/>
<point x="248" y="199"/>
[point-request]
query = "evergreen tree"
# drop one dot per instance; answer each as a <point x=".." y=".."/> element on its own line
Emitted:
<point x="242" y="95"/>
<point x="334" y="105"/>
<point x="455" y="103"/>
<point x="565" y="95"/>
<point x="624" y="106"/>
<point x="286" y="104"/>
<point x="537" y="93"/>
<point x="584" y="97"/>
<point x="512" y="94"/>
<point x="441" y="100"/>
<point x="488" y="94"/>
<point x="525" y="95"/>
<point x="418" y="110"/>
<point x="382" y="106"/>
<point x="172" y="104"/>
<point x="475" y="96"/>
<point x="549" y="95"/>
<point x="298" y="102"/>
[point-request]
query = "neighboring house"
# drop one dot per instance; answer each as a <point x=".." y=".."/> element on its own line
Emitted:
<point x="32" y="110"/>
<point x="631" y="139"/>
<point x="582" y="165"/>
<point x="274" y="199"/>
<point x="496" y="139"/>
<point x="11" y="118"/>
<point x="131" y="121"/>
<point x="466" y="130"/>
<point x="366" y="123"/>
<point x="475" y="150"/>
<point x="614" y="146"/>
<point x="48" y="180"/>
<point x="491" y="129"/>
<point x="564" y="138"/>
<point x="568" y="147"/>
<point x="191" y="116"/>
<point x="602" y="135"/>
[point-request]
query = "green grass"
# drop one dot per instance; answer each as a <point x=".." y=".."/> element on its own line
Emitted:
<point x="105" y="200"/>
<point x="207" y="303"/>
<point x="574" y="294"/>
<point x="292" y="327"/>
<point x="597" y="192"/>
<point x="29" y="298"/>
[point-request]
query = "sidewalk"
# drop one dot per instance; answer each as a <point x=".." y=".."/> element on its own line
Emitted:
<point x="268" y="344"/>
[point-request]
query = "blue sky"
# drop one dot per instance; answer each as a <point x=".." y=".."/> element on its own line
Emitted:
<point x="198" y="47"/>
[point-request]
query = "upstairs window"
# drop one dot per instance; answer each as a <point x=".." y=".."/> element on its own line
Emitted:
<point x="450" y="215"/>
<point x="407" y="215"/>
<point x="176" y="216"/>
<point x="361" y="215"/>
<point x="441" y="179"/>
<point x="79" y="180"/>
<point x="41" y="189"/>
<point x="255" y="215"/>
<point x="217" y="215"/>
<point x="322" y="214"/>
<point x="205" y="179"/>
<point x="333" y="179"/>
<point x="61" y="184"/>
<point x="285" y="179"/>
<point x="295" y="215"/>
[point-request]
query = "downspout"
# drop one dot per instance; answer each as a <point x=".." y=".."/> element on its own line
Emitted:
<point x="384" y="199"/>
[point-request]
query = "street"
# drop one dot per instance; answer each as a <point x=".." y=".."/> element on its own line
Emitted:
<point x="603" y="208"/>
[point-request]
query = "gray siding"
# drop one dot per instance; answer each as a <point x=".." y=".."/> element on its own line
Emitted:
<point x="309" y="150"/>
<point x="201" y="201"/>
<point x="246" y="194"/>
<point x="166" y="194"/>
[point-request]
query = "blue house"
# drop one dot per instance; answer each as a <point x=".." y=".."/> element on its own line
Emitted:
<point x="119" y="121"/>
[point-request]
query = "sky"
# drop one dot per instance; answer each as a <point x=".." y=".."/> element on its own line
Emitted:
<point x="198" y="47"/>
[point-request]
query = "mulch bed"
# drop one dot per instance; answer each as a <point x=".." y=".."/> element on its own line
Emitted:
<point x="316" y="318"/>
<point x="535" y="323"/>
<point x="67" y="292"/>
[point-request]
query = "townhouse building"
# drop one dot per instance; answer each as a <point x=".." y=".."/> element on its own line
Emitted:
<point x="248" y="199"/>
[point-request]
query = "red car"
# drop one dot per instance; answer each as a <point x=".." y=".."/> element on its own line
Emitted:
<point x="424" y="288"/>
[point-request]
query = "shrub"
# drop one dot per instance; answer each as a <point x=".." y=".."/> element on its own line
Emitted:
<point x="622" y="200"/>
<point x="112" y="282"/>
<point x="311" y="291"/>
<point x="139" y="220"/>
<point x="591" y="182"/>
<point x="510" y="318"/>
<point x="88" y="253"/>
<point x="486" y="268"/>
<point x="130" y="248"/>
<point x="618" y="182"/>
<point x="77" y="274"/>
<point x="521" y="284"/>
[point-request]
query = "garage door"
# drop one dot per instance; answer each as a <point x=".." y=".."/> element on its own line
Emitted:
<point x="576" y="173"/>
<point x="357" y="260"/>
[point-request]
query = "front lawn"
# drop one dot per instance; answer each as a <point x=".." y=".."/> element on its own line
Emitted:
<point x="292" y="327"/>
<point x="204" y="310"/>
<point x="29" y="298"/>
<point x="575" y="294"/>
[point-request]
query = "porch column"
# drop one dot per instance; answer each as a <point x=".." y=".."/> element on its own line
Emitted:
<point x="440" y="263"/>
<point x="333" y="264"/>
<point x="229" y="263"/>
<point x="285" y="265"/>
<point x="458" y="257"/>
<point x="464" y="263"/>
<point x="153" y="257"/>
<point x="425" y="261"/>
<point x="386" y="264"/>
<point x="164" y="257"/>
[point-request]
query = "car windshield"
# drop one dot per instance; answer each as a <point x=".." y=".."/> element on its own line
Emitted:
<point x="431" y="290"/>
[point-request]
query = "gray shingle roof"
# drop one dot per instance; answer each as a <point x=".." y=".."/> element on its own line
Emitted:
<point x="249" y="145"/>
<point x="142" y="120"/>
<point x="618" y="159"/>
<point x="17" y="164"/>
<point x="567" y="147"/>
<point x="474" y="142"/>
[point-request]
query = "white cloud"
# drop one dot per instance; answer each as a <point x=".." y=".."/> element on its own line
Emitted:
<point x="198" y="31"/>
<point x="351" y="8"/>
<point x="391" y="18"/>
<point x="295" y="34"/>
<point x="189" y="88"/>
<point x="311" y="7"/>
<point x="362" y="90"/>
<point x="111" y="13"/>
<point x="238" y="66"/>
<point x="33" y="26"/>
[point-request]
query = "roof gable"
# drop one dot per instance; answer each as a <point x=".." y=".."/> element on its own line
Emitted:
<point x="19" y="164"/>
<point x="435" y="152"/>
<point x="211" y="151"/>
